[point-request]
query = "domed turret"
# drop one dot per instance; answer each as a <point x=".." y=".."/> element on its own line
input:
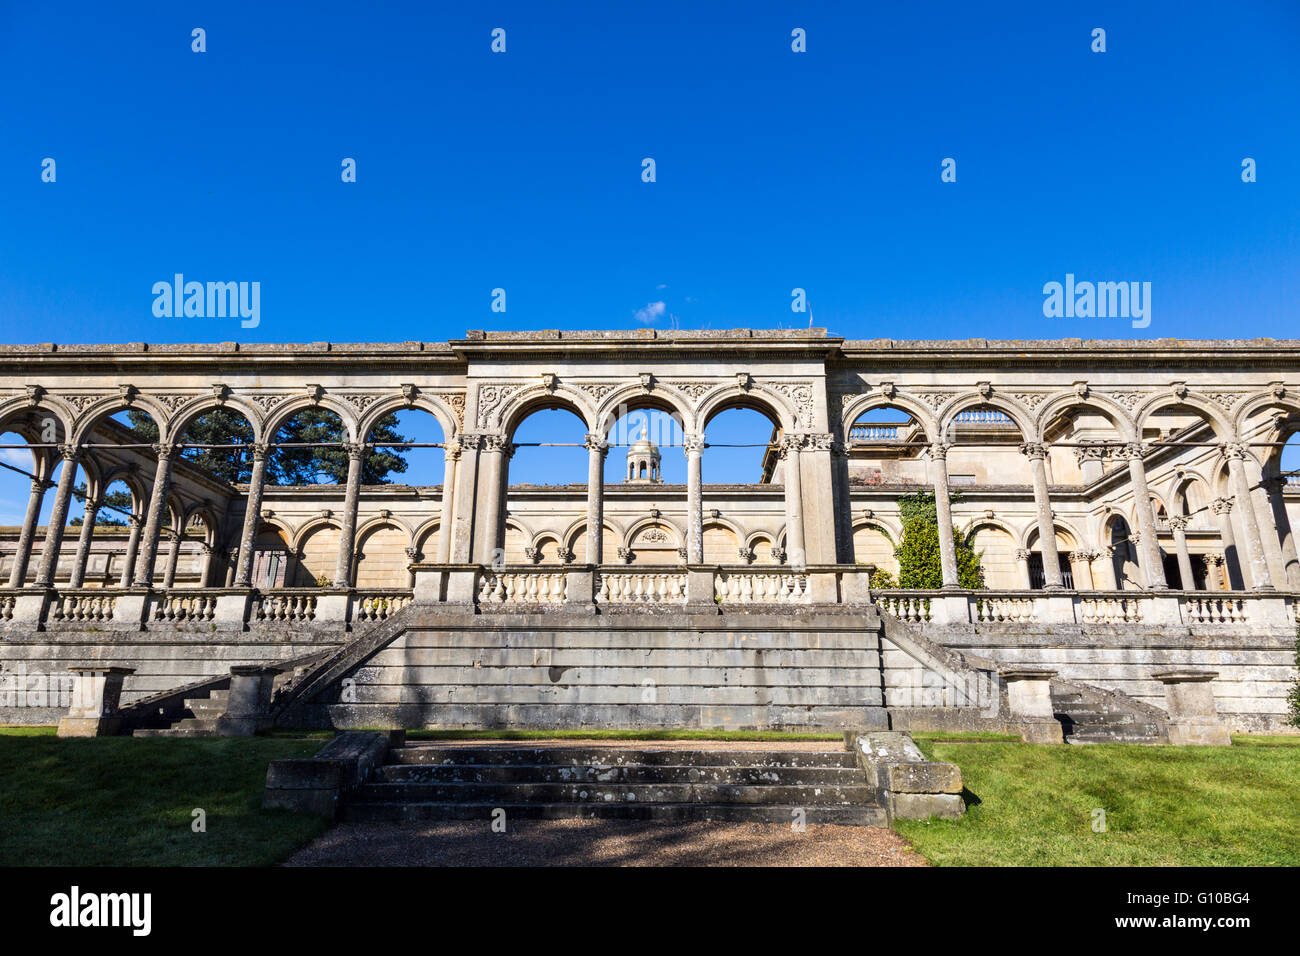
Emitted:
<point x="643" y="461"/>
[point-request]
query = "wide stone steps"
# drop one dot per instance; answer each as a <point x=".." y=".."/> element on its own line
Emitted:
<point x="1096" y="722"/>
<point x="867" y="816"/>
<point x="630" y="774"/>
<point x="669" y="784"/>
<point x="197" y="719"/>
<point x="617" y="757"/>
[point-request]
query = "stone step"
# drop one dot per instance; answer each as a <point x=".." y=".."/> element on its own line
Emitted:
<point x="860" y="815"/>
<point x="189" y="727"/>
<point x="625" y="774"/>
<point x="1112" y="738"/>
<point x="708" y="793"/>
<point x="612" y="757"/>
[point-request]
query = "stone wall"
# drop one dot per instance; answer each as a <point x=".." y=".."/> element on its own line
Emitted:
<point x="1255" y="663"/>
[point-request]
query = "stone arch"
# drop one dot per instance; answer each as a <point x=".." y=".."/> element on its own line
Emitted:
<point x="1013" y="410"/>
<point x="1029" y="535"/>
<point x="425" y="538"/>
<point x="423" y="401"/>
<point x="1262" y="402"/>
<point x="575" y="537"/>
<point x="1211" y="413"/>
<point x="995" y="540"/>
<point x="536" y="398"/>
<point x="663" y="398"/>
<point x="874" y="541"/>
<point x="1057" y="405"/>
<point x="200" y="405"/>
<point x="287" y="409"/>
<point x="379" y="557"/>
<point x="19" y="406"/>
<point x="861" y="404"/>
<point x="756" y="398"/>
<point x="109" y="406"/>
<point x="316" y="550"/>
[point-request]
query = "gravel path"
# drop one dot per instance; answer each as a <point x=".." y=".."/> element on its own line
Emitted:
<point x="605" y="843"/>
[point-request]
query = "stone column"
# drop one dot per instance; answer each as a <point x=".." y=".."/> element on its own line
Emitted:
<point x="1260" y="579"/>
<point x="1081" y="562"/>
<point x="1109" y="580"/>
<point x="23" y="551"/>
<point x="1214" y="573"/>
<point x="792" y="477"/>
<point x="1148" y="543"/>
<point x="174" y="552"/>
<point x="1022" y="564"/>
<point x="49" y="565"/>
<point x="465" y="499"/>
<point x="495" y="452"/>
<point x="938" y="454"/>
<point x="1274" y="488"/>
<point x="205" y="564"/>
<point x="1267" y="520"/>
<point x="1233" y="570"/>
<point x="1179" y="525"/>
<point x="842" y="498"/>
<point x="252" y="515"/>
<point x="78" y="578"/>
<point x="596" y="449"/>
<point x="693" y="446"/>
<point x="1037" y="455"/>
<point x="132" y="550"/>
<point x="450" y="462"/>
<point x="154" y="518"/>
<point x="357" y="452"/>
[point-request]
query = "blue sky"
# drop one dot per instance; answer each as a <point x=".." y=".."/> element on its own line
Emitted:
<point x="523" y="170"/>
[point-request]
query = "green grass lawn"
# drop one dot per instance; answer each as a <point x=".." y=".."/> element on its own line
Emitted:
<point x="1165" y="806"/>
<point x="118" y="801"/>
<point x="771" y="735"/>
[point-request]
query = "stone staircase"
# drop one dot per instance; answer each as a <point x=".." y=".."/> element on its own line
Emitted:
<point x="196" y="718"/>
<point x="1091" y="716"/>
<point x="419" y="783"/>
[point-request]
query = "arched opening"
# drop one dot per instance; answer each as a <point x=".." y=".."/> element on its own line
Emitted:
<point x="381" y="559"/>
<point x="1066" y="544"/>
<point x="985" y="449"/>
<point x="997" y="547"/>
<point x="874" y="545"/>
<point x="544" y="477"/>
<point x="887" y="447"/>
<point x="743" y="448"/>
<point x="1125" y="572"/>
<point x="1087" y="444"/>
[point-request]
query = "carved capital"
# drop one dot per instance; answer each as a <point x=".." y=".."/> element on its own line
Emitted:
<point x="938" y="451"/>
<point x="746" y="555"/>
<point x="69" y="451"/>
<point x="1214" y="560"/>
<point x="1033" y="450"/>
<point x="260" y="450"/>
<point x="163" y="450"/>
<point x="1022" y="554"/>
<point x="356" y="450"/>
<point x="778" y="555"/>
<point x="533" y="554"/>
<point x="625" y="554"/>
<point x="1178" y="522"/>
<point x="692" y="444"/>
<point x="499" y="444"/>
<point x="412" y="554"/>
<point x="1235" y="450"/>
<point x="565" y="555"/>
<point x="595" y="442"/>
<point x="1222" y="506"/>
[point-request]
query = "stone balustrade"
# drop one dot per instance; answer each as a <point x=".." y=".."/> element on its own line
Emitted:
<point x="576" y="587"/>
<point x="510" y="588"/>
<point x="637" y="586"/>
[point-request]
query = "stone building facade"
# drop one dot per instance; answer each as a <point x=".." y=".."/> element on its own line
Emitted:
<point x="1133" y="486"/>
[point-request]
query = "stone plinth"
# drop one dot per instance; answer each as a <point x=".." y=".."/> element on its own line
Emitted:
<point x="249" y="703"/>
<point x="1193" y="718"/>
<point x="912" y="787"/>
<point x="1029" y="699"/>
<point x="96" y="691"/>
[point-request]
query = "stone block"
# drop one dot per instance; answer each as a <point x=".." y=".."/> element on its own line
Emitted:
<point x="922" y="806"/>
<point x="929" y="776"/>
<point x="1193" y="716"/>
